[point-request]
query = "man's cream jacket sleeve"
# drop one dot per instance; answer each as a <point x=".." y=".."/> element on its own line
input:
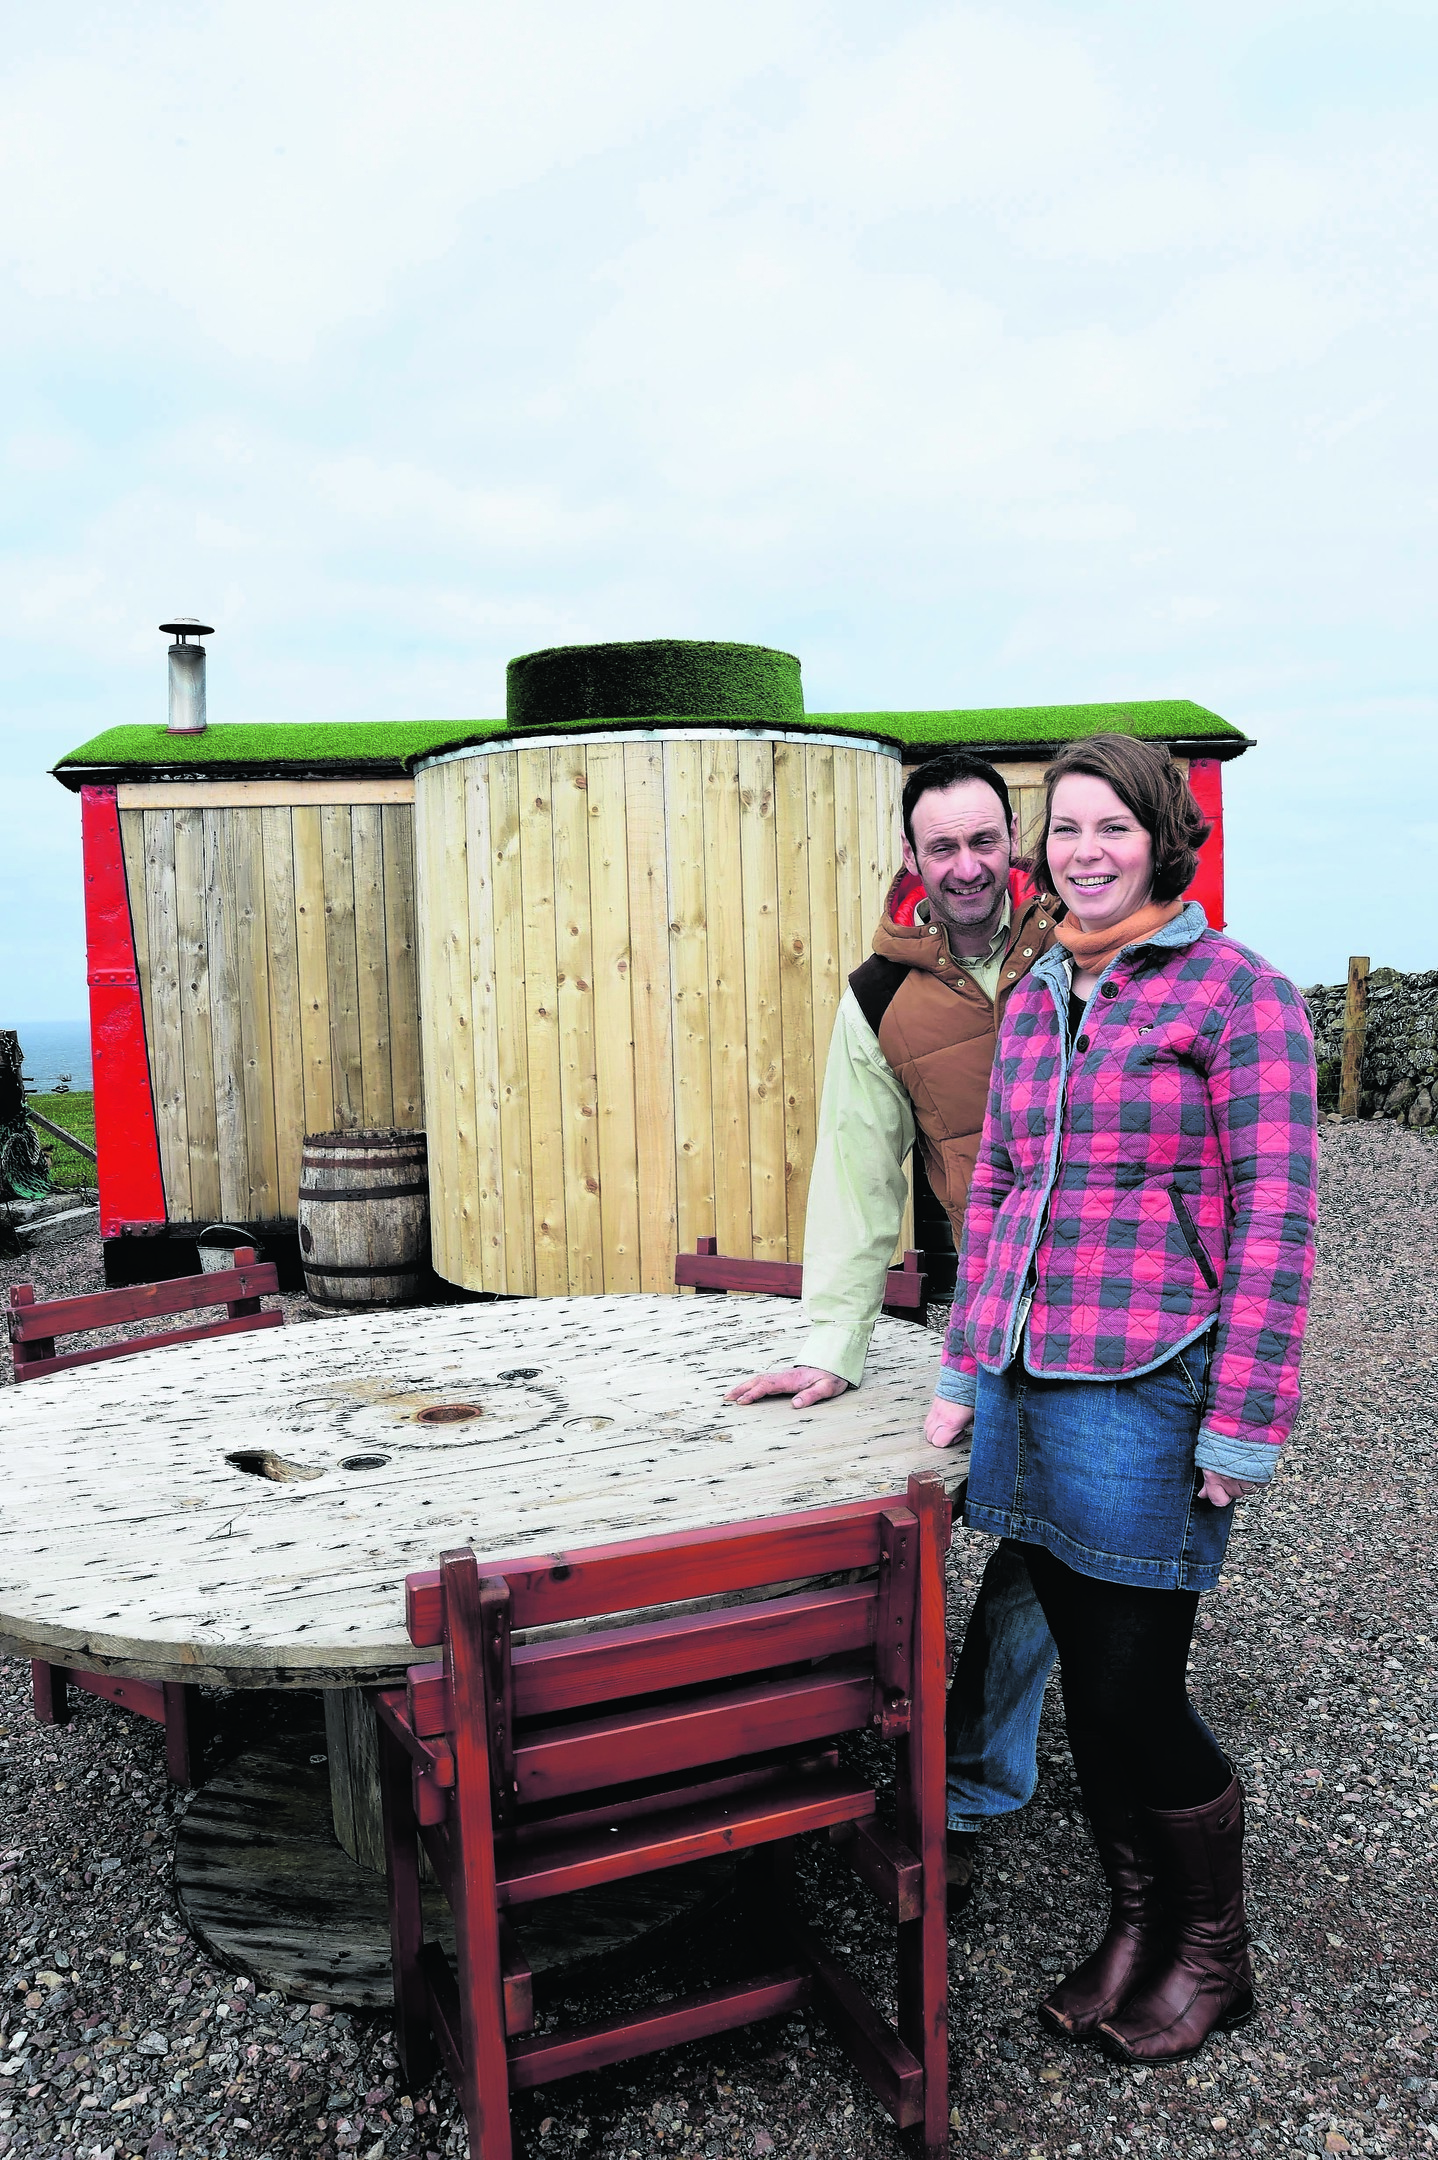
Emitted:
<point x="856" y="1195"/>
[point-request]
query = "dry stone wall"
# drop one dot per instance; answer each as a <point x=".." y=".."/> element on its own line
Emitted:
<point x="1400" y="1053"/>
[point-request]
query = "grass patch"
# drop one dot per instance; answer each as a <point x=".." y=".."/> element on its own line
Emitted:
<point x="76" y="1112"/>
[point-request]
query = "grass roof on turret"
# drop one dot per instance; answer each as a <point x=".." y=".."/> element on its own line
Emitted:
<point x="294" y="749"/>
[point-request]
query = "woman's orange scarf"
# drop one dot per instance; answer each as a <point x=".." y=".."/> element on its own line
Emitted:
<point x="1093" y="949"/>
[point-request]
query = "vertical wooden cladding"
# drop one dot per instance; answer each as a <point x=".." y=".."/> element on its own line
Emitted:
<point x="660" y="930"/>
<point x="276" y="954"/>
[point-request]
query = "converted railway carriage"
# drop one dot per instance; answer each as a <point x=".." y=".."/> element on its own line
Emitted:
<point x="594" y="949"/>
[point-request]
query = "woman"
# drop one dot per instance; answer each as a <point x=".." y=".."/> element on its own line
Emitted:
<point x="1132" y="1297"/>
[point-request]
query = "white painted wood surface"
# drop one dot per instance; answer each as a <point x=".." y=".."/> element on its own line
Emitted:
<point x="129" y="1539"/>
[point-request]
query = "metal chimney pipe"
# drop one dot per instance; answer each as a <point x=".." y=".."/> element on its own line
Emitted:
<point x="187" y="676"/>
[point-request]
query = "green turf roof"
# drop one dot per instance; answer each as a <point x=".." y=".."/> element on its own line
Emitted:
<point x="277" y="746"/>
<point x="292" y="748"/>
<point x="698" y="677"/>
<point x="1159" y="719"/>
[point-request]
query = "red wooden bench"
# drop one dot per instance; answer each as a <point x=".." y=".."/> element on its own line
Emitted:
<point x="525" y="1771"/>
<point x="34" y="1328"/>
<point x="34" y="1331"/>
<point x="706" y="1268"/>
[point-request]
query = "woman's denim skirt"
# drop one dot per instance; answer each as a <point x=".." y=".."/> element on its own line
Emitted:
<point x="1101" y="1472"/>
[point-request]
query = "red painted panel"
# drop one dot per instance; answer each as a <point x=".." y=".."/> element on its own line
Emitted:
<point x="131" y="1190"/>
<point x="1205" y="777"/>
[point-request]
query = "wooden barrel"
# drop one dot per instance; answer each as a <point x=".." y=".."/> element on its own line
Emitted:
<point x="364" y="1216"/>
<point x="631" y="950"/>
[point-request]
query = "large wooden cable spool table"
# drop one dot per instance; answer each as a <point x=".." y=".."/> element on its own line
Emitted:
<point x="243" y="1513"/>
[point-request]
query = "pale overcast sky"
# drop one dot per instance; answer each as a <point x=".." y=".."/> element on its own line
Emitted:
<point x="980" y="356"/>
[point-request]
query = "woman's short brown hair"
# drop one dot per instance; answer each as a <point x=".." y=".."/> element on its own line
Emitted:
<point x="1143" y="776"/>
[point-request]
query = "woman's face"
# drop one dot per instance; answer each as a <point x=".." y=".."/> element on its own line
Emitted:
<point x="1100" y="855"/>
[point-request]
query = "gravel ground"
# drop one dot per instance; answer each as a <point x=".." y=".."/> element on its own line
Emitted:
<point x="1315" y="1663"/>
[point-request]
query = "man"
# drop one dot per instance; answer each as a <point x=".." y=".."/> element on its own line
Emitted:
<point x="910" y="1056"/>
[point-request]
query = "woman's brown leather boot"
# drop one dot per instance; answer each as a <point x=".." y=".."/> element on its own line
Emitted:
<point x="1206" y="1983"/>
<point x="1134" y="1939"/>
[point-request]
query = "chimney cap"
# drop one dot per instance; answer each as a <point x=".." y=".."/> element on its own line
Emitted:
<point x="187" y="626"/>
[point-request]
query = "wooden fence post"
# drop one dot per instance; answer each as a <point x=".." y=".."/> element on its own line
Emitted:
<point x="1355" y="1028"/>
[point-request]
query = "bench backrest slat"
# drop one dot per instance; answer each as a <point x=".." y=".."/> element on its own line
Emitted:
<point x="145" y="1301"/>
<point x="599" y="1666"/>
<point x="34" y="1327"/>
<point x="663" y="1570"/>
<point x="706" y="1268"/>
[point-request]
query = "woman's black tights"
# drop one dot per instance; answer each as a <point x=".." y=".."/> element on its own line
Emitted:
<point x="1123" y="1657"/>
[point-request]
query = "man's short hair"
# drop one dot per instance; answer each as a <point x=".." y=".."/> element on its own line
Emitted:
<point x="947" y="771"/>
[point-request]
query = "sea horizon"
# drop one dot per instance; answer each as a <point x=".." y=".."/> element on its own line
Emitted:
<point x="55" y="1050"/>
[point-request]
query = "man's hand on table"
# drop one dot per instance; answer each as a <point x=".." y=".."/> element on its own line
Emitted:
<point x="806" y="1383"/>
<point x="947" y="1422"/>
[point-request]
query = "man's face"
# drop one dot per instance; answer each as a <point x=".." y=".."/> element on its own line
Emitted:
<point x="962" y="851"/>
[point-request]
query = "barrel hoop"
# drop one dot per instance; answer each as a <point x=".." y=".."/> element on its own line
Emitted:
<point x="375" y="1267"/>
<point x="363" y="1192"/>
<point x="354" y="1162"/>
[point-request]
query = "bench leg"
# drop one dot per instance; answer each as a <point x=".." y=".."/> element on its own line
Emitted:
<point x="181" y="1732"/>
<point x="50" y="1695"/>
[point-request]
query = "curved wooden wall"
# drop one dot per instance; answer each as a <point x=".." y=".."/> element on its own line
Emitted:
<point x="630" y="957"/>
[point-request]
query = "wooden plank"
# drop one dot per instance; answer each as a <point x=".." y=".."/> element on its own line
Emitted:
<point x="869" y="776"/>
<point x="502" y="777"/>
<point x="689" y="980"/>
<point x="1355" y="1034"/>
<point x="488" y="1230"/>
<point x="1020" y="772"/>
<point x="728" y="1054"/>
<point x="791" y="842"/>
<point x="200" y="1119"/>
<point x="342" y="966"/>
<point x="826" y="972"/>
<point x="651" y="994"/>
<point x="545" y="1101"/>
<point x="372" y="963"/>
<point x="700" y="1830"/>
<point x="602" y="1665"/>
<point x="1028" y="805"/>
<point x="451" y="881"/>
<point x="286" y="1045"/>
<point x="165" y="1022"/>
<point x="540" y="2060"/>
<point x="854" y="933"/>
<point x="578" y="1080"/>
<point x="226" y="1040"/>
<point x="132" y="844"/>
<point x="613" y="1015"/>
<point x="319" y="1094"/>
<point x="260" y="794"/>
<point x="406" y="1087"/>
<point x="891" y="831"/>
<point x="429" y="842"/>
<point x="444" y="918"/>
<point x="763" y="1028"/>
<point x="252" y="968"/>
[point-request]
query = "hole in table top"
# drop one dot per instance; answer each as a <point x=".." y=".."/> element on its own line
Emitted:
<point x="448" y="1413"/>
<point x="364" y="1462"/>
<point x="587" y="1424"/>
<point x="265" y="1463"/>
<point x="521" y="1372"/>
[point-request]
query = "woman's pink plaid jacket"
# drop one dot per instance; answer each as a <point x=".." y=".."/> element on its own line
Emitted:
<point x="1161" y="1176"/>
